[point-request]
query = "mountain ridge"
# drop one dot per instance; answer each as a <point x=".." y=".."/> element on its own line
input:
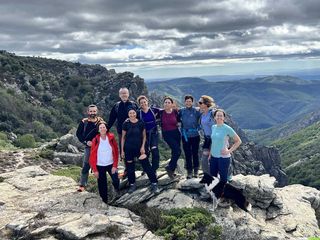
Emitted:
<point x="253" y="105"/>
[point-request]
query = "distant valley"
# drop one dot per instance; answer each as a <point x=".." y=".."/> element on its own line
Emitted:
<point x="253" y="103"/>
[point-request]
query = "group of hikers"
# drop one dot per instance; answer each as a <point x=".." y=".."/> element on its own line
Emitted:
<point x="138" y="138"/>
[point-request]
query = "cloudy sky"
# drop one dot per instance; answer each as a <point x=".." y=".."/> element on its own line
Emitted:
<point x="158" y="38"/>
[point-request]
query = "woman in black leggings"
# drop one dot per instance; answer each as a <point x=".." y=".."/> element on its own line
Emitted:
<point x="133" y="146"/>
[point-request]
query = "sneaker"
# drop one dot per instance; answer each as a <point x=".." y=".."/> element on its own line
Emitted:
<point x="169" y="172"/>
<point x="132" y="188"/>
<point x="189" y="175"/>
<point x="154" y="188"/>
<point x="81" y="188"/>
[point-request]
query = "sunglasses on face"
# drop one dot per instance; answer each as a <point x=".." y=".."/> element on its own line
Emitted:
<point x="200" y="103"/>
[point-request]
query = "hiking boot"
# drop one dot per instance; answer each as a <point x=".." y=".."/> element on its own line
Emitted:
<point x="195" y="173"/>
<point x="154" y="188"/>
<point x="81" y="188"/>
<point x="132" y="188"/>
<point x="189" y="175"/>
<point x="169" y="172"/>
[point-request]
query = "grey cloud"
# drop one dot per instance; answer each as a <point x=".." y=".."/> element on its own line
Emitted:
<point x="37" y="26"/>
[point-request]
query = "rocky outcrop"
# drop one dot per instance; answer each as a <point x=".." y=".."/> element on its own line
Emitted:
<point x="67" y="149"/>
<point x="252" y="159"/>
<point x="291" y="212"/>
<point x="37" y="205"/>
<point x="16" y="159"/>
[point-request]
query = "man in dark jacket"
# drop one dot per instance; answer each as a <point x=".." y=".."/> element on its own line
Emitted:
<point x="86" y="131"/>
<point x="119" y="112"/>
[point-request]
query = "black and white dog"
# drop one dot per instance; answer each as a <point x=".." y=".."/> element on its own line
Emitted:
<point x="218" y="189"/>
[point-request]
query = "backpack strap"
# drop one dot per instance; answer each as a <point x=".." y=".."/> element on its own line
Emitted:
<point x="116" y="107"/>
<point x="85" y="124"/>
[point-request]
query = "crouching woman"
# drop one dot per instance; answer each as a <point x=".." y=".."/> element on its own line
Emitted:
<point x="104" y="158"/>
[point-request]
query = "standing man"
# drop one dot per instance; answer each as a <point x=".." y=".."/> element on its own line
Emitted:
<point x="86" y="131"/>
<point x="119" y="112"/>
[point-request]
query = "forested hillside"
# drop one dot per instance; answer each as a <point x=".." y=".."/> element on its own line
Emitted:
<point x="46" y="97"/>
<point x="300" y="154"/>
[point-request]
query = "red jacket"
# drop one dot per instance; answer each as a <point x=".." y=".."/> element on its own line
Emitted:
<point x="94" y="151"/>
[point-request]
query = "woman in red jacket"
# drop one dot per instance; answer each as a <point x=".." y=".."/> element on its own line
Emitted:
<point x="104" y="158"/>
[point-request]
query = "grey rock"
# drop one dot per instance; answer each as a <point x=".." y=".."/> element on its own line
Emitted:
<point x="251" y="159"/>
<point x="72" y="149"/>
<point x="66" y="140"/>
<point x="69" y="158"/>
<point x="35" y="204"/>
<point x="12" y="137"/>
<point x="84" y="226"/>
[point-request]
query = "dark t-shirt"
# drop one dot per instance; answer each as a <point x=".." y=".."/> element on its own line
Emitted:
<point x="134" y="134"/>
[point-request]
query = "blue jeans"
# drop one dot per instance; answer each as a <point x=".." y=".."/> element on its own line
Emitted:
<point x="85" y="167"/>
<point x="221" y="166"/>
<point x="173" y="139"/>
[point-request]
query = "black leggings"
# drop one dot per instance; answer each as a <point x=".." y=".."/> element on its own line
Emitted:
<point x="191" y="152"/>
<point x="130" y="155"/>
<point x="173" y="139"/>
<point x="102" y="181"/>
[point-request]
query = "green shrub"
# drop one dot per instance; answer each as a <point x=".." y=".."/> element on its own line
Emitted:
<point x="3" y="136"/>
<point x="25" y="141"/>
<point x="47" y="154"/>
<point x="184" y="223"/>
<point x="150" y="216"/>
<point x="4" y="142"/>
<point x="5" y="145"/>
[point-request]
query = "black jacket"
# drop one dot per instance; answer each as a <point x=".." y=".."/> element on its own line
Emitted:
<point x="119" y="112"/>
<point x="87" y="130"/>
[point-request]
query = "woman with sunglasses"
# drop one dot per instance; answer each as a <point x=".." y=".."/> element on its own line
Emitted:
<point x="207" y="108"/>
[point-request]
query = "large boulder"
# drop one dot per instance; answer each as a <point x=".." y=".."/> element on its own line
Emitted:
<point x="37" y="205"/>
<point x="291" y="212"/>
<point x="69" y="143"/>
<point x="69" y="158"/>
